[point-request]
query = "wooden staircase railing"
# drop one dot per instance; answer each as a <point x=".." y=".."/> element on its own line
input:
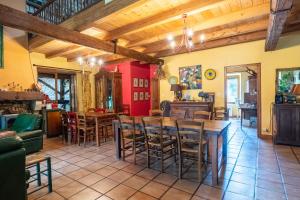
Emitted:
<point x="57" y="11"/>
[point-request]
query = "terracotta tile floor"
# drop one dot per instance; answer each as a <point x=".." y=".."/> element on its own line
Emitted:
<point x="256" y="169"/>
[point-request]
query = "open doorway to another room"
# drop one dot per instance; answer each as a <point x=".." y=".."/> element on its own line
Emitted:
<point x="242" y="95"/>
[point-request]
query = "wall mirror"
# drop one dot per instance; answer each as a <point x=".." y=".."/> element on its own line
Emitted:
<point x="286" y="79"/>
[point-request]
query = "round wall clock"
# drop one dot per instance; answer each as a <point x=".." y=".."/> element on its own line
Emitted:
<point x="210" y="74"/>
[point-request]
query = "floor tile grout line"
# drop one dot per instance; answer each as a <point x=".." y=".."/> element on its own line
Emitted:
<point x="280" y="171"/>
<point x="245" y="136"/>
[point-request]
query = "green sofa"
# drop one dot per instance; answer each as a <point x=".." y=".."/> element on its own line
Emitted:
<point x="29" y="128"/>
<point x="12" y="164"/>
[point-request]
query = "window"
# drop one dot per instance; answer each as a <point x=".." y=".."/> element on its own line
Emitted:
<point x="233" y="92"/>
<point x="59" y="88"/>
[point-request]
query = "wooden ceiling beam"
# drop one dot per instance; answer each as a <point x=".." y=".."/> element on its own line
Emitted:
<point x="248" y="37"/>
<point x="194" y="6"/>
<point x="61" y="51"/>
<point x="279" y="12"/>
<point x="252" y="13"/>
<point x="87" y="54"/>
<point x="223" y="31"/>
<point x="20" y="20"/>
<point x="118" y="61"/>
<point x="85" y="19"/>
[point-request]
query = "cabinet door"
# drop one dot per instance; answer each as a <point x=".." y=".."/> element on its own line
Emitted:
<point x="118" y="99"/>
<point x="155" y="94"/>
<point x="287" y="126"/>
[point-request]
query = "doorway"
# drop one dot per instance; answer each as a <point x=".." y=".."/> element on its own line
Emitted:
<point x="243" y="95"/>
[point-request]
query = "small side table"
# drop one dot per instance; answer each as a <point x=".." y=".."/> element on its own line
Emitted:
<point x="35" y="161"/>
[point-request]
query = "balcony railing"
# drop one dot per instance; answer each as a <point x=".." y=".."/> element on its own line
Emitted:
<point x="57" y="11"/>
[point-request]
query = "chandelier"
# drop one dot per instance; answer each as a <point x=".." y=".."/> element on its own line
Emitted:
<point x="186" y="40"/>
<point x="91" y="62"/>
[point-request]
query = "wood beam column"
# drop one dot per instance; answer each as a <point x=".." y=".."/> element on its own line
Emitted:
<point x="279" y="12"/>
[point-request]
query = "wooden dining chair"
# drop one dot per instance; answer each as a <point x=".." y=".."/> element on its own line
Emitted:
<point x="156" y="112"/>
<point x="220" y="113"/>
<point x="159" y="144"/>
<point x="100" y="110"/>
<point x="91" y="110"/>
<point x="191" y="144"/>
<point x="64" y="125"/>
<point x="85" y="129"/>
<point x="72" y="116"/>
<point x="178" y="114"/>
<point x="126" y="109"/>
<point x="202" y="115"/>
<point x="131" y="139"/>
<point x="106" y="123"/>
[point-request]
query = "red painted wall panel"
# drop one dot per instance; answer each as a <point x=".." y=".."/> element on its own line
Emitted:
<point x="129" y="71"/>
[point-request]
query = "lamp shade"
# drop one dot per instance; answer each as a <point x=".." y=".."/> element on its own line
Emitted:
<point x="176" y="87"/>
<point x="296" y="89"/>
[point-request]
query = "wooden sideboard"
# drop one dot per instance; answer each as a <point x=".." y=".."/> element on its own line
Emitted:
<point x="286" y="124"/>
<point x="191" y="106"/>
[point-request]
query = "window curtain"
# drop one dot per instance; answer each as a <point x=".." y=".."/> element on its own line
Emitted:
<point x="87" y="96"/>
<point x="1" y="47"/>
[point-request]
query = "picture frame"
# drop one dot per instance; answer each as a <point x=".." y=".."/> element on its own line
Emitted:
<point x="146" y="83"/>
<point x="141" y="96"/>
<point x="135" y="96"/>
<point x="147" y="96"/>
<point x="141" y="82"/>
<point x="135" y="82"/>
<point x="190" y="78"/>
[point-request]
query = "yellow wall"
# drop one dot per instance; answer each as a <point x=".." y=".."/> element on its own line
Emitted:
<point x="287" y="55"/>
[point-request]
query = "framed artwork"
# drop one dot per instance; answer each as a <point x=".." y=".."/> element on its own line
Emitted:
<point x="141" y="96"/>
<point x="147" y="96"/>
<point x="146" y="83"/>
<point x="135" y="82"/>
<point x="141" y="82"/>
<point x="190" y="77"/>
<point x="135" y="96"/>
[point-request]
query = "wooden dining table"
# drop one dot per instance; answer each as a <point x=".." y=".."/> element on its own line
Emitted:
<point x="215" y="130"/>
<point x="98" y="116"/>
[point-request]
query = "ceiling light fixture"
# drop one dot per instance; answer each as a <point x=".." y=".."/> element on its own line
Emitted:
<point x="186" y="40"/>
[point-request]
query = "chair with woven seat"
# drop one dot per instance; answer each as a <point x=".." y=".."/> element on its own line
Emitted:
<point x="156" y="112"/>
<point x="131" y="139"/>
<point x="178" y="114"/>
<point x="202" y="115"/>
<point x="220" y="113"/>
<point x="191" y="144"/>
<point x="158" y="142"/>
<point x="85" y="129"/>
<point x="72" y="116"/>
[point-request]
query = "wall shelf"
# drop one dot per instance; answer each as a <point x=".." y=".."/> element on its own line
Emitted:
<point x="20" y="96"/>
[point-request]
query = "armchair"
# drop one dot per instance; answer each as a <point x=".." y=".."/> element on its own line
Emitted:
<point x="12" y="174"/>
<point x="29" y="128"/>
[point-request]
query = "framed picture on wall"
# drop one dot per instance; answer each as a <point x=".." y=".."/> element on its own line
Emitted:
<point x="146" y="83"/>
<point x="135" y="96"/>
<point x="135" y="82"/>
<point x="190" y="77"/>
<point x="141" y="82"/>
<point x="147" y="96"/>
<point x="141" y="96"/>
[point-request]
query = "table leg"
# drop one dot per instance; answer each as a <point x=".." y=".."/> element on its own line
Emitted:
<point x="116" y="130"/>
<point x="224" y="145"/>
<point x="38" y="174"/>
<point x="214" y="159"/>
<point x="97" y="132"/>
<point x="49" y="174"/>
<point x="242" y="118"/>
